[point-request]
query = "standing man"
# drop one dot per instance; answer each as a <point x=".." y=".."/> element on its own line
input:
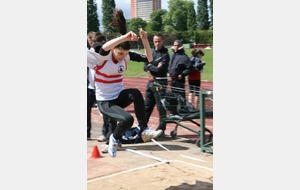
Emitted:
<point x="179" y="68"/>
<point x="158" y="73"/>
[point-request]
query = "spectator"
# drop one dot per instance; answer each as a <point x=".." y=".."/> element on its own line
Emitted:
<point x="91" y="98"/>
<point x="179" y="68"/>
<point x="100" y="39"/>
<point x="90" y="39"/>
<point x="194" y="78"/>
<point x="158" y="73"/>
<point x="110" y="65"/>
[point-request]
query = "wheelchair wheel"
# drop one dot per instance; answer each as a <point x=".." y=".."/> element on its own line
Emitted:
<point x="173" y="134"/>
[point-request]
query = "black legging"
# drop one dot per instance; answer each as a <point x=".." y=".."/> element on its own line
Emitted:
<point x="114" y="109"/>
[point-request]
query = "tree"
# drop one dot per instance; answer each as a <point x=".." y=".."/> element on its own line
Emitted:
<point x="191" y="16"/>
<point x="156" y="23"/>
<point x="136" y="23"/>
<point x="92" y="17"/>
<point x="202" y="15"/>
<point x="167" y="22"/>
<point x="177" y="17"/>
<point x="211" y="13"/>
<point x="107" y="15"/>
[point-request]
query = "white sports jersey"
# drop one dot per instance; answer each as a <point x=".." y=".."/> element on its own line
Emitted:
<point x="108" y="75"/>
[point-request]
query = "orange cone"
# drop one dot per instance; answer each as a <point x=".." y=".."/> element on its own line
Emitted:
<point x="96" y="153"/>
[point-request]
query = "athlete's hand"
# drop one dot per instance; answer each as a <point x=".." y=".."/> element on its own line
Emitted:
<point x="142" y="33"/>
<point x="131" y="36"/>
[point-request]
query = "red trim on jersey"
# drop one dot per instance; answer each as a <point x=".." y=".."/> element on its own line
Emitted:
<point x="108" y="76"/>
<point x="99" y="66"/>
<point x="108" y="82"/>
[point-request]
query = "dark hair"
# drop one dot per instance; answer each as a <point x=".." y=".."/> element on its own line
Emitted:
<point x="179" y="42"/>
<point x="119" y="23"/>
<point x="159" y="35"/>
<point x="99" y="37"/>
<point x="195" y="52"/>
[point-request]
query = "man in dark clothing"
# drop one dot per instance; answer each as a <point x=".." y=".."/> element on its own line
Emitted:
<point x="179" y="68"/>
<point x="158" y="72"/>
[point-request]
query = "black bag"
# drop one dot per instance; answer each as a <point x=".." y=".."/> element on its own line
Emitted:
<point x="185" y="107"/>
<point x="176" y="104"/>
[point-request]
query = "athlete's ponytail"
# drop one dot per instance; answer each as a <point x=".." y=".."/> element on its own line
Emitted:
<point x="119" y="23"/>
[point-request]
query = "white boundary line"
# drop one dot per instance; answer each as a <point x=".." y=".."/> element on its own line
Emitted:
<point x="203" y="167"/>
<point x="159" y="144"/>
<point x="147" y="155"/>
<point x="126" y="171"/>
<point x="192" y="158"/>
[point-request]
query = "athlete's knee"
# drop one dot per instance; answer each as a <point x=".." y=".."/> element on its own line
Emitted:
<point x="128" y="121"/>
<point x="135" y="94"/>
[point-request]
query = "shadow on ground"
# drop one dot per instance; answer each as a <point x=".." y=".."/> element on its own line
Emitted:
<point x="198" y="186"/>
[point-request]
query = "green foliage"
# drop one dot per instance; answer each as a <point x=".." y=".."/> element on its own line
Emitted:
<point x="180" y="20"/>
<point x="107" y="11"/>
<point x="136" y="23"/>
<point x="202" y="15"/>
<point x="211" y="13"/>
<point x="203" y="37"/>
<point x="92" y="16"/>
<point x="191" y="16"/>
<point x="169" y="28"/>
<point x="156" y="20"/>
<point x="184" y="37"/>
<point x="128" y="23"/>
<point x="136" y="69"/>
<point x="167" y="22"/>
<point x="177" y="17"/>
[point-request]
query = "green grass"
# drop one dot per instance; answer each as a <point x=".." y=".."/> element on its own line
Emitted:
<point x="135" y="69"/>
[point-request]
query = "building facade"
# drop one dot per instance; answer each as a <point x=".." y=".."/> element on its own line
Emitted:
<point x="144" y="8"/>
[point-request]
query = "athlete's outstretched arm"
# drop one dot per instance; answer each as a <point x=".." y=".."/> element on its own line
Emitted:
<point x="148" y="52"/>
<point x="130" y="36"/>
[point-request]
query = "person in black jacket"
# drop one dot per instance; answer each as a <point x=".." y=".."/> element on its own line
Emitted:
<point x="158" y="73"/>
<point x="179" y="68"/>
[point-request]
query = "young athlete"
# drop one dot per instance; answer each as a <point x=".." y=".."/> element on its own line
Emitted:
<point x="109" y="65"/>
<point x="194" y="78"/>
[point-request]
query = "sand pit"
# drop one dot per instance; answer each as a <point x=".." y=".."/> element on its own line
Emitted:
<point x="160" y="176"/>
